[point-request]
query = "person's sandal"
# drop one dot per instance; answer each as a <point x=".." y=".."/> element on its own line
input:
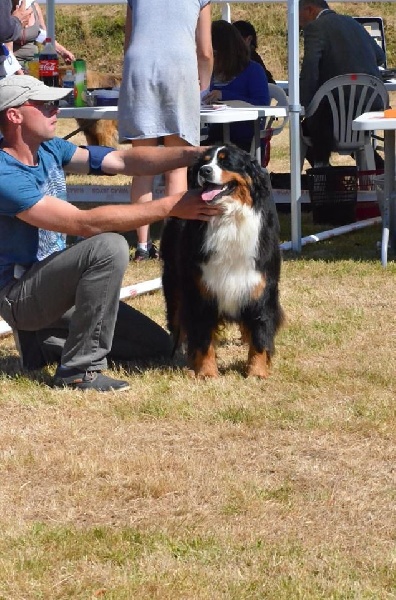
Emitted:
<point x="150" y="253"/>
<point x="141" y="255"/>
<point x="153" y="252"/>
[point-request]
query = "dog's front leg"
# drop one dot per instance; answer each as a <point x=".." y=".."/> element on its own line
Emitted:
<point x="203" y="364"/>
<point x="258" y="363"/>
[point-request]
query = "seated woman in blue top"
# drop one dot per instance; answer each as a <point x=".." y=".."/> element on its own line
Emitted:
<point x="235" y="77"/>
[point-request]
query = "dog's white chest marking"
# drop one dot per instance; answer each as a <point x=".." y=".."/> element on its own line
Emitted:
<point x="232" y="244"/>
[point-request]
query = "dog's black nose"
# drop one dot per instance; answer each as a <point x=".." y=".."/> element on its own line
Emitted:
<point x="206" y="171"/>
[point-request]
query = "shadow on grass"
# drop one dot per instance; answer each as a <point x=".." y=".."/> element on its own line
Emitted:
<point x="10" y="368"/>
<point x="178" y="364"/>
<point x="9" y="365"/>
<point x="137" y="367"/>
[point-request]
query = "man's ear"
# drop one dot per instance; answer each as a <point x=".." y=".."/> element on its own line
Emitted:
<point x="14" y="115"/>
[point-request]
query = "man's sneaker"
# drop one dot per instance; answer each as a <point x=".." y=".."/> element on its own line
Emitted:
<point x="150" y="253"/>
<point x="88" y="380"/>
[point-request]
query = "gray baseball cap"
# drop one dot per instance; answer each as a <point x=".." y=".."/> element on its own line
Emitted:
<point x="17" y="89"/>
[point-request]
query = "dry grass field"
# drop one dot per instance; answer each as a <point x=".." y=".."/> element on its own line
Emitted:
<point x="231" y="489"/>
<point x="228" y="489"/>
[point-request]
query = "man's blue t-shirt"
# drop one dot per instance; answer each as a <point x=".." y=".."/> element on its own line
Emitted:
<point x="21" y="187"/>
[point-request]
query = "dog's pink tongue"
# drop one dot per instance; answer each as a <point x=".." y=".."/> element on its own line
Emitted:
<point x="209" y="194"/>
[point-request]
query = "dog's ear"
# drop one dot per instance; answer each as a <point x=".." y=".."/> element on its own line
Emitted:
<point x="260" y="177"/>
<point x="263" y="196"/>
<point x="192" y="175"/>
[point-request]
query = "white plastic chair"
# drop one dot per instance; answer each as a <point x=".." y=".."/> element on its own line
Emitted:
<point x="273" y="125"/>
<point x="278" y="97"/>
<point x="349" y="96"/>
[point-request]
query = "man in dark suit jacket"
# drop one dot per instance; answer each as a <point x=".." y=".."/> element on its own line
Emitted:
<point x="334" y="45"/>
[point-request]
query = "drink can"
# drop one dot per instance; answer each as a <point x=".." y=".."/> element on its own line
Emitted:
<point x="80" y="82"/>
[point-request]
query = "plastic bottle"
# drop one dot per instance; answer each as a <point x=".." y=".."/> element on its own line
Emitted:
<point x="68" y="82"/>
<point x="34" y="67"/>
<point x="49" y="65"/>
<point x="80" y="82"/>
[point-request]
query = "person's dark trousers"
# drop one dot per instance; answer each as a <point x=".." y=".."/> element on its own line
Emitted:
<point x="319" y="128"/>
<point x="71" y="302"/>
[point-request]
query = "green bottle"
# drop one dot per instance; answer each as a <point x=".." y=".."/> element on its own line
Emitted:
<point x="80" y="82"/>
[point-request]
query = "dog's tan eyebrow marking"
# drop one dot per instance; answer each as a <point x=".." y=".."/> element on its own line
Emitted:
<point x="206" y="157"/>
<point x="221" y="155"/>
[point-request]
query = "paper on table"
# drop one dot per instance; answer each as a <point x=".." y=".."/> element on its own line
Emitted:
<point x="210" y="107"/>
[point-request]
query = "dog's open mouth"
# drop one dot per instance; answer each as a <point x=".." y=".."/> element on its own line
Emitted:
<point x="211" y="191"/>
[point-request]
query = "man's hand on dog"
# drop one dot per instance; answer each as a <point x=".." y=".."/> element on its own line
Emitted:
<point x="191" y="206"/>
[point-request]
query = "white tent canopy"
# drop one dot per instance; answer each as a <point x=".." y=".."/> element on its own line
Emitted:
<point x="294" y="94"/>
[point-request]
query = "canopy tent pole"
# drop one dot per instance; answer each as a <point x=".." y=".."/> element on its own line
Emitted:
<point x="294" y="124"/>
<point x="226" y="12"/>
<point x="50" y="19"/>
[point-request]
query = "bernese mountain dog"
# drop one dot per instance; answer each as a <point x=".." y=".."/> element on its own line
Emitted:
<point x="226" y="269"/>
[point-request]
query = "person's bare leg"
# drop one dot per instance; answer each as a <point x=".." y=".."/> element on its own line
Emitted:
<point x="141" y="192"/>
<point x="176" y="180"/>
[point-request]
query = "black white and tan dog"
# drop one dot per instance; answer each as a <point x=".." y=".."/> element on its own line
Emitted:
<point x="226" y="269"/>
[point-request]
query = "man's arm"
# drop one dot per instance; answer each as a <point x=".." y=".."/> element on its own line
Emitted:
<point x="379" y="53"/>
<point x="309" y="75"/>
<point x="57" y="215"/>
<point x="11" y="25"/>
<point x="138" y="161"/>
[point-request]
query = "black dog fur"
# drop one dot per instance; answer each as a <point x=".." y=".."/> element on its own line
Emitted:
<point x="227" y="269"/>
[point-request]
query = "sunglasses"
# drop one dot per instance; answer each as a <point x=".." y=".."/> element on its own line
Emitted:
<point x="41" y="105"/>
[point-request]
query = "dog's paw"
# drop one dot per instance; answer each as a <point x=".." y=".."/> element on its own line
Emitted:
<point x="204" y="365"/>
<point x="258" y="364"/>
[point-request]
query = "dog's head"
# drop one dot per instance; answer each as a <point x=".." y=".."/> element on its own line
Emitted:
<point x="227" y="172"/>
